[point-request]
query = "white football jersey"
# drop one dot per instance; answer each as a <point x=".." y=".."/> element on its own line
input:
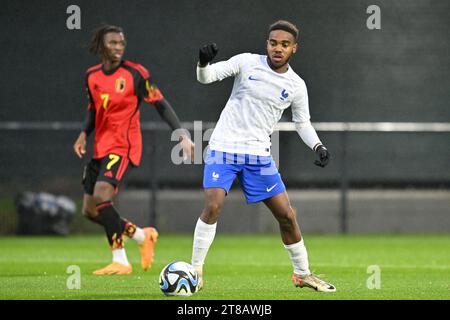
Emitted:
<point x="257" y="101"/>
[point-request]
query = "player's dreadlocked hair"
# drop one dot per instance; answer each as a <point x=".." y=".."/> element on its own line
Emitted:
<point x="97" y="45"/>
<point x="285" y="26"/>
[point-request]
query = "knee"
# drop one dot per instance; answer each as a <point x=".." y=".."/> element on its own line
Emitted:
<point x="212" y="209"/>
<point x="286" y="216"/>
<point x="103" y="192"/>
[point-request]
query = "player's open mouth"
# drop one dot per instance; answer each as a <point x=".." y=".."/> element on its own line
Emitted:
<point x="277" y="58"/>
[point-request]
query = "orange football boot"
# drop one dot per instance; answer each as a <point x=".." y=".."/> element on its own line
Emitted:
<point x="147" y="248"/>
<point x="114" y="268"/>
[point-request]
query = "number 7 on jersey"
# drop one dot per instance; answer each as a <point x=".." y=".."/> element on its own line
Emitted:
<point x="105" y="98"/>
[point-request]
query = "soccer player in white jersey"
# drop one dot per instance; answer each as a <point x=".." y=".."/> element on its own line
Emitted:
<point x="264" y="86"/>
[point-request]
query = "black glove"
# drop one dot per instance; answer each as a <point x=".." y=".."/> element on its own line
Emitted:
<point x="207" y="53"/>
<point x="323" y="155"/>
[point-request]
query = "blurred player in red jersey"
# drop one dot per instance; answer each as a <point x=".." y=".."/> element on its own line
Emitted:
<point x="115" y="89"/>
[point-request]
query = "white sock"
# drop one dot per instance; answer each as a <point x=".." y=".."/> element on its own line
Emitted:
<point x="299" y="257"/>
<point x="120" y="256"/>
<point x="203" y="237"/>
<point x="139" y="235"/>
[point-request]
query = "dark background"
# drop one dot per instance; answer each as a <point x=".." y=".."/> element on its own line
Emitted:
<point x="398" y="74"/>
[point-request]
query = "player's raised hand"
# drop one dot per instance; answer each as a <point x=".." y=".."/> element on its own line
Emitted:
<point x="207" y="53"/>
<point x="79" y="146"/>
<point x="323" y="155"/>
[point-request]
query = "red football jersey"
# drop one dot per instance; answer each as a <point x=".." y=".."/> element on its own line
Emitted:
<point x="115" y="95"/>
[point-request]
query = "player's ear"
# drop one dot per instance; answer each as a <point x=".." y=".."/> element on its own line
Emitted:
<point x="294" y="50"/>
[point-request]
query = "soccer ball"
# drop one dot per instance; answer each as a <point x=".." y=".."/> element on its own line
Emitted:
<point x="178" y="278"/>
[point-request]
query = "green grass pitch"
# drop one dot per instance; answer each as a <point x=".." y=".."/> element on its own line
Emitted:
<point x="237" y="267"/>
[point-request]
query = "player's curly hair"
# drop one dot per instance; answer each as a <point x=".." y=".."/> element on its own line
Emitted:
<point x="97" y="45"/>
<point x="285" y="26"/>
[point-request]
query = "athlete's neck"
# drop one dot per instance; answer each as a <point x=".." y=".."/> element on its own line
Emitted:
<point x="110" y="65"/>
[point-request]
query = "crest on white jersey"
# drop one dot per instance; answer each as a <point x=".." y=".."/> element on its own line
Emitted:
<point x="284" y="94"/>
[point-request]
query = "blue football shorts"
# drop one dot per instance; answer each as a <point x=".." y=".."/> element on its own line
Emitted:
<point x="258" y="175"/>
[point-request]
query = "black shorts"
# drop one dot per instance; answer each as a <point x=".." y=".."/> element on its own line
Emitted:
<point x="111" y="169"/>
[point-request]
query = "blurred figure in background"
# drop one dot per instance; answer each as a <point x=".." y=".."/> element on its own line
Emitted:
<point x="115" y="90"/>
